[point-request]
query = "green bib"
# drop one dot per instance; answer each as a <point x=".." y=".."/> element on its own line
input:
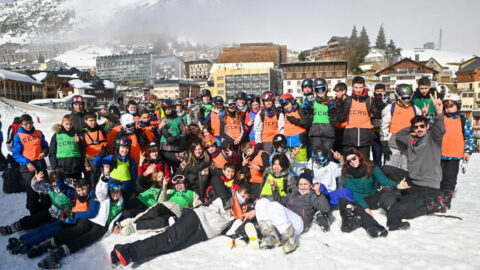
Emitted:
<point x="122" y="172"/>
<point x="61" y="201"/>
<point x="149" y="197"/>
<point x="208" y="109"/>
<point x="422" y="102"/>
<point x="67" y="146"/>
<point x="320" y="114"/>
<point x="267" y="189"/>
<point x="182" y="198"/>
<point x="173" y="126"/>
<point x="115" y="210"/>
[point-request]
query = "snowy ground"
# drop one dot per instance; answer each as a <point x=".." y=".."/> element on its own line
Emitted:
<point x="431" y="243"/>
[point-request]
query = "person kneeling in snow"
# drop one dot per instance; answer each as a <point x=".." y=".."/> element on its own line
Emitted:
<point x="87" y="231"/>
<point x="290" y="215"/>
<point x="170" y="204"/>
<point x="194" y="226"/>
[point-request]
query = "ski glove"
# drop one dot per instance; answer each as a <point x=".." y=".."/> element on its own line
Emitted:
<point x="104" y="178"/>
<point x="103" y="153"/>
<point x="387" y="152"/>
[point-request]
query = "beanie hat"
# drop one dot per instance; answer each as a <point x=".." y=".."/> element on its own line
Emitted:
<point x="307" y="177"/>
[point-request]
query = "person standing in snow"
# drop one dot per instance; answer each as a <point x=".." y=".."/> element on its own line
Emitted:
<point x="78" y="113"/>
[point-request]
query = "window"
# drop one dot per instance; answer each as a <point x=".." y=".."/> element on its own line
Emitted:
<point x="299" y="82"/>
<point x="219" y="78"/>
<point x="221" y="85"/>
<point x="290" y="91"/>
<point x="470" y="95"/>
<point x="289" y="83"/>
<point x="220" y="92"/>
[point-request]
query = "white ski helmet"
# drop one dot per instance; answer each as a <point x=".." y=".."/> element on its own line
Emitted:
<point x="453" y="99"/>
<point x="128" y="122"/>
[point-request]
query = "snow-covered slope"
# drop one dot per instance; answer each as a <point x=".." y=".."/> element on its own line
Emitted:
<point x="84" y="56"/>
<point x="431" y="243"/>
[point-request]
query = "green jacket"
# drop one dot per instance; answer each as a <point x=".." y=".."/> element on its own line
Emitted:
<point x="364" y="187"/>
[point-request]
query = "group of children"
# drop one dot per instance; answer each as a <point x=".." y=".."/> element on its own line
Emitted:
<point x="244" y="170"/>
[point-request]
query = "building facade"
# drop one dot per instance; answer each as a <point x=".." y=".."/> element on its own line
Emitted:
<point x="173" y="89"/>
<point x="468" y="87"/>
<point x="19" y="86"/>
<point x="198" y="70"/>
<point x="254" y="52"/>
<point x="335" y="50"/>
<point x="126" y="69"/>
<point x="294" y="73"/>
<point x="167" y="67"/>
<point x="405" y="71"/>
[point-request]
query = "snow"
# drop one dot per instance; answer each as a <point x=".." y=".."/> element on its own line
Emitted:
<point x="40" y="76"/>
<point x="366" y="67"/>
<point x="18" y="77"/>
<point x="84" y="56"/>
<point x="445" y="58"/>
<point x="108" y="84"/>
<point x="79" y="84"/>
<point x="431" y="243"/>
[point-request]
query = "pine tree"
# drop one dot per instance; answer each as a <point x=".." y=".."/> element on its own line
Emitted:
<point x="364" y="44"/>
<point x="391" y="52"/>
<point x="352" y="49"/>
<point x="301" y="56"/>
<point x="381" y="42"/>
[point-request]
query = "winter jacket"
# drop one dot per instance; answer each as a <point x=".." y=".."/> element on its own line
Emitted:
<point x="65" y="153"/>
<point x="109" y="211"/>
<point x="319" y="126"/>
<point x="78" y="121"/>
<point x="93" y="203"/>
<point x="59" y="200"/>
<point x="173" y="135"/>
<point x="221" y="187"/>
<point x="420" y="100"/>
<point x="127" y="177"/>
<point x="326" y="175"/>
<point x="160" y="165"/>
<point x="251" y="114"/>
<point x="282" y="187"/>
<point x="192" y="172"/>
<point x="387" y="114"/>
<point x="20" y="152"/>
<point x="423" y="154"/>
<point x="365" y="187"/>
<point x="304" y="205"/>
<point x="214" y="218"/>
<point x="357" y="136"/>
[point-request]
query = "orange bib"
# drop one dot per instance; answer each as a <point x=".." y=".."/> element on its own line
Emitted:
<point x="94" y="140"/>
<point x="358" y="116"/>
<point x="256" y="176"/>
<point x="215" y="123"/>
<point x="291" y="129"/>
<point x="220" y="160"/>
<point x="233" y="129"/>
<point x="32" y="144"/>
<point x="270" y="128"/>
<point x="401" y="118"/>
<point x="453" y="144"/>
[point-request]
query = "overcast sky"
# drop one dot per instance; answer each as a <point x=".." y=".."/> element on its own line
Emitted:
<point x="299" y="24"/>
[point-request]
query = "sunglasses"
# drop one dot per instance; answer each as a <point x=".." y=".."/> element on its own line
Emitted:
<point x="405" y="98"/>
<point x="353" y="159"/>
<point x="418" y="126"/>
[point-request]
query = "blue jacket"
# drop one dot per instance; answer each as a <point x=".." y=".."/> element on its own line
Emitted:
<point x="17" y="148"/>
<point x="1" y="133"/>
<point x="93" y="203"/>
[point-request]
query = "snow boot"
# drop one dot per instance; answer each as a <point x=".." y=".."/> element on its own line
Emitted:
<point x="52" y="261"/>
<point x="43" y="247"/>
<point x="113" y="257"/>
<point x="126" y="222"/>
<point x="377" y="231"/>
<point x="232" y="241"/>
<point x="322" y="221"/>
<point x="6" y="230"/>
<point x="127" y="230"/>
<point x="12" y="242"/>
<point x="399" y="226"/>
<point x="350" y="221"/>
<point x="436" y="206"/>
<point x="251" y="232"/>
<point x="270" y="237"/>
<point x="289" y="240"/>
<point x="19" y="247"/>
<point x="447" y="196"/>
<point x="123" y="254"/>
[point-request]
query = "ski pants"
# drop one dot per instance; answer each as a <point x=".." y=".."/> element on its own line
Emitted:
<point x="412" y="204"/>
<point x="377" y="149"/>
<point x="35" y="220"/>
<point x="449" y="174"/>
<point x="42" y="233"/>
<point x="186" y="231"/>
<point x="280" y="216"/>
<point x="94" y="174"/>
<point x="132" y="208"/>
<point x="80" y="235"/>
<point x="337" y="146"/>
<point x="365" y="149"/>
<point x="323" y="146"/>
<point x="384" y="199"/>
<point x="35" y="202"/>
<point x="154" y="218"/>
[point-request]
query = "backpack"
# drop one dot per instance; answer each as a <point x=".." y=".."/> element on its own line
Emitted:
<point x="12" y="177"/>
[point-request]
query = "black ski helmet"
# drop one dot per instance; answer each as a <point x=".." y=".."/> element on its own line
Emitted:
<point x="307" y="82"/>
<point x="403" y="91"/>
<point x="250" y="98"/>
<point x="241" y="95"/>
<point x="279" y="140"/>
<point x="218" y="99"/>
<point x="320" y="84"/>
<point x="113" y="110"/>
<point x="205" y="92"/>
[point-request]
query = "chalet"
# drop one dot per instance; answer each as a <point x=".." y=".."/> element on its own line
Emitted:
<point x="468" y="85"/>
<point x="404" y="71"/>
<point x="19" y="86"/>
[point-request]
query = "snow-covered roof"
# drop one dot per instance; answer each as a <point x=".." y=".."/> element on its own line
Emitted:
<point x="18" y="77"/>
<point x="366" y="67"/>
<point x="445" y="58"/>
<point x="40" y="76"/>
<point x="73" y="76"/>
<point x="79" y="84"/>
<point x="108" y="84"/>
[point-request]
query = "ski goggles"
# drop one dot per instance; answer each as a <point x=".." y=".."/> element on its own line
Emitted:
<point x="284" y="101"/>
<point x="114" y="187"/>
<point x="125" y="142"/>
<point x="405" y="98"/>
<point x="178" y="179"/>
<point x="231" y="105"/>
<point x="209" y="143"/>
<point x="322" y="88"/>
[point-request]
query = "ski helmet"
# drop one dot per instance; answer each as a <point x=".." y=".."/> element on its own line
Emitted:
<point x="179" y="102"/>
<point x="285" y="98"/>
<point x="452" y="99"/>
<point x="128" y="122"/>
<point x="250" y="98"/>
<point x="113" y="110"/>
<point x="268" y="95"/>
<point x="231" y="103"/>
<point x="150" y="107"/>
<point x="307" y="82"/>
<point x="209" y="140"/>
<point x="167" y="103"/>
<point x="113" y="104"/>
<point x="241" y="95"/>
<point x="403" y="92"/>
<point x="279" y="140"/>
<point x="320" y="85"/>
<point x="77" y="98"/>
<point x="218" y="100"/>
<point x="205" y="92"/>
